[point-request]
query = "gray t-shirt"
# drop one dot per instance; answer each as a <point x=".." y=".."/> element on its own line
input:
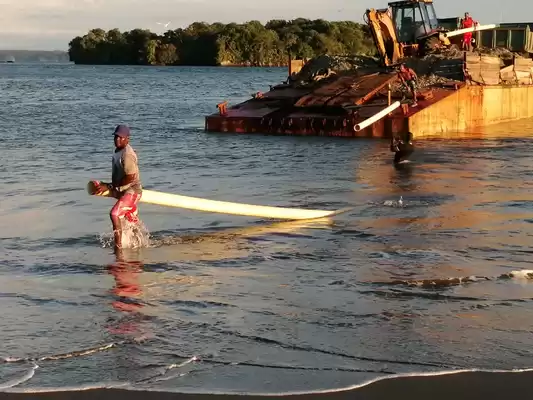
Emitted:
<point x="125" y="163"/>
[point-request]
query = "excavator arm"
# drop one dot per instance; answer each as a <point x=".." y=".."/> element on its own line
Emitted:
<point x="384" y="34"/>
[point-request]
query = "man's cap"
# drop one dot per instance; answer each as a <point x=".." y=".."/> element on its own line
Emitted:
<point x="122" y="131"/>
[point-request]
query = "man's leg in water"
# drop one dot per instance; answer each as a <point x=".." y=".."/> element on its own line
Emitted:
<point x="412" y="86"/>
<point x="397" y="157"/>
<point x="126" y="206"/>
<point x="402" y="155"/>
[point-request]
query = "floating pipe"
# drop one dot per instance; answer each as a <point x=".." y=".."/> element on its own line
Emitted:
<point x="224" y="207"/>
<point x="467" y="30"/>
<point x="376" y="117"/>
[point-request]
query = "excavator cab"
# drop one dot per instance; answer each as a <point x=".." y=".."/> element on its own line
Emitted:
<point x="406" y="28"/>
<point x="417" y="24"/>
<point x="413" y="19"/>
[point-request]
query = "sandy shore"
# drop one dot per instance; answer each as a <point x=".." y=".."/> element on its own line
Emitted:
<point x="458" y="386"/>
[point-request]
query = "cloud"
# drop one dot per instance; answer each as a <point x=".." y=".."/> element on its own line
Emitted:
<point x="64" y="18"/>
<point x="47" y="24"/>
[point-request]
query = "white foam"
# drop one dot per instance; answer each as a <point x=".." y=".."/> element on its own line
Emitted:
<point x="129" y="385"/>
<point x="394" y="203"/>
<point x="88" y="386"/>
<point x="134" y="236"/>
<point x="17" y="381"/>
<point x="190" y="360"/>
<point x="525" y="274"/>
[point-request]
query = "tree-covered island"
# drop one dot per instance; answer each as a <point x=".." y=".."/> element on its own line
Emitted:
<point x="202" y="44"/>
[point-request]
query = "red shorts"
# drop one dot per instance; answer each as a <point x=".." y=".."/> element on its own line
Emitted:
<point x="126" y="206"/>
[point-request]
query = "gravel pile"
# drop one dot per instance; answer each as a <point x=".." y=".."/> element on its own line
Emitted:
<point x="325" y="66"/>
<point x="454" y="53"/>
<point x="350" y="63"/>
<point x="437" y="67"/>
<point x="451" y="53"/>
<point x="503" y="53"/>
<point x="424" y="82"/>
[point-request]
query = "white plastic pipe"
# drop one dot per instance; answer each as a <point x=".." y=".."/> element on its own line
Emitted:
<point x="376" y="117"/>
<point x="467" y="30"/>
<point x="224" y="207"/>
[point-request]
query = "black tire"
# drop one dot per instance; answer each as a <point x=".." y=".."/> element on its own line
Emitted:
<point x="455" y="47"/>
<point x="431" y="44"/>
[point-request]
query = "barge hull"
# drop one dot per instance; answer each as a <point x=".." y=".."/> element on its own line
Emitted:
<point x="487" y="95"/>
<point x="305" y="126"/>
<point x="473" y="107"/>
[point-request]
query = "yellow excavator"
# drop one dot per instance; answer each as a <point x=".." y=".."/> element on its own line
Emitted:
<point x="409" y="28"/>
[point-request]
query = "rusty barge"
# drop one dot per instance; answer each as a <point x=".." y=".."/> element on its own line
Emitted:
<point x="467" y="89"/>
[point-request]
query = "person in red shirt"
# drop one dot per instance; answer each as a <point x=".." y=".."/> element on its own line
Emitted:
<point x="467" y="22"/>
<point x="409" y="79"/>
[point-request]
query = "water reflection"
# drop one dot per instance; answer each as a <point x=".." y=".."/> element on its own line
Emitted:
<point x="149" y="281"/>
<point x="127" y="293"/>
<point x="227" y="243"/>
<point x="476" y="182"/>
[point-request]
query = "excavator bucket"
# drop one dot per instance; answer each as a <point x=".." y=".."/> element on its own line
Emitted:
<point x="384" y="33"/>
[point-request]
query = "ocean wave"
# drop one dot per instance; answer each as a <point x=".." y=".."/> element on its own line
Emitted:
<point x="411" y="381"/>
<point x="521" y="275"/>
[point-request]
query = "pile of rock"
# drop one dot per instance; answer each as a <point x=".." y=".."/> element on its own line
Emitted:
<point x="325" y="66"/>
<point x="502" y="52"/>
<point x="437" y="67"/>
<point x="424" y="82"/>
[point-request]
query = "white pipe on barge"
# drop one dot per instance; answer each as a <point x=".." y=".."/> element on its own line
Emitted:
<point x="468" y="30"/>
<point x="376" y="117"/>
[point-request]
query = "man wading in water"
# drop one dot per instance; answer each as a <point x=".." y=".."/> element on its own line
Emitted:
<point x="125" y="183"/>
<point x="402" y="147"/>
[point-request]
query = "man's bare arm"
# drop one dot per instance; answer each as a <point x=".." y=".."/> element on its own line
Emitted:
<point x="132" y="171"/>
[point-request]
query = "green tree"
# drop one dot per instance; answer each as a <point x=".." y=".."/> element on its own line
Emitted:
<point x="166" y="54"/>
<point x="250" y="43"/>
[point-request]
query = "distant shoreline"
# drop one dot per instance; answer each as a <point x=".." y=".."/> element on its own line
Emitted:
<point x="184" y="65"/>
<point x="23" y="56"/>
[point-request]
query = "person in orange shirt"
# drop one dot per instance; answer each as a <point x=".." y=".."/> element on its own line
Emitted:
<point x="467" y="22"/>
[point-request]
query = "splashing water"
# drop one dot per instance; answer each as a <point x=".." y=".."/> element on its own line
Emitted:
<point x="134" y="235"/>
<point x="394" y="203"/>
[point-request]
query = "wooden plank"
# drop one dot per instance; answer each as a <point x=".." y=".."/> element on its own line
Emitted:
<point x="523" y="74"/>
<point x="491" y="81"/>
<point x="523" y="68"/>
<point x="491" y="68"/>
<point x="476" y="77"/>
<point x="523" y="62"/>
<point x="365" y="91"/>
<point x="470" y="58"/>
<point x="490" y="60"/>
<point x="350" y="89"/>
<point x="508" y="76"/>
<point x="489" y="63"/>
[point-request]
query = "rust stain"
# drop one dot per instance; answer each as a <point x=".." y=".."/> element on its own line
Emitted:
<point x="347" y="90"/>
<point x="444" y="112"/>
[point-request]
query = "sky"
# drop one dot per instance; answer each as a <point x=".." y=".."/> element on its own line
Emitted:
<point x="51" y="24"/>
